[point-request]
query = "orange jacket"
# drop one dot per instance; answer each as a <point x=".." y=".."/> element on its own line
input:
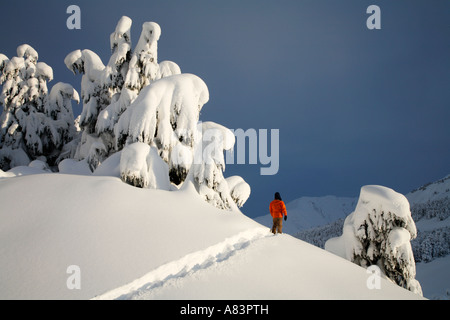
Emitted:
<point x="277" y="209"/>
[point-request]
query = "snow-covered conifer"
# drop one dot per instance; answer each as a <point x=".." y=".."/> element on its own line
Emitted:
<point x="143" y="67"/>
<point x="34" y="124"/>
<point x="165" y="113"/>
<point x="135" y="100"/>
<point x="209" y="164"/>
<point x="95" y="96"/>
<point x="379" y="232"/>
<point x="107" y="91"/>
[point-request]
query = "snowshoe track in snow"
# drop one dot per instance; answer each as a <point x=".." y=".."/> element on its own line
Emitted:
<point x="188" y="264"/>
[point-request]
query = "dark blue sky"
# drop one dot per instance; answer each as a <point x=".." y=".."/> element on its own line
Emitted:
<point x="354" y="106"/>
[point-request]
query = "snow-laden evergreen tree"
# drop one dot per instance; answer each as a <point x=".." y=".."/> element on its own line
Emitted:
<point x="59" y="109"/>
<point x="34" y="124"/>
<point x="107" y="91"/>
<point x="143" y="67"/>
<point x="114" y="78"/>
<point x="379" y="232"/>
<point x="136" y="101"/>
<point x="95" y="97"/>
<point x="165" y="115"/>
<point x="209" y="164"/>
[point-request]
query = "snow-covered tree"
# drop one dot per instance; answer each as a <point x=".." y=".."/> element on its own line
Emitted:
<point x="143" y="67"/>
<point x="134" y="102"/>
<point x="95" y="97"/>
<point x="34" y="124"/>
<point x="379" y="232"/>
<point x="209" y="164"/>
<point x="59" y="109"/>
<point x="107" y="91"/>
<point x="165" y="116"/>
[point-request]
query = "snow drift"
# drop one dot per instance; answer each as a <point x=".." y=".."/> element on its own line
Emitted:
<point x="152" y="244"/>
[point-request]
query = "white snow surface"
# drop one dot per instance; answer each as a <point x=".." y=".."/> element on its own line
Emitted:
<point x="132" y="243"/>
<point x="431" y="191"/>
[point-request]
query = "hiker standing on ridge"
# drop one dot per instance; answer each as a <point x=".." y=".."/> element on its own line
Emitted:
<point x="277" y="211"/>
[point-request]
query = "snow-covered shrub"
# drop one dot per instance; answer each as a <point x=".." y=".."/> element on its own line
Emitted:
<point x="34" y="123"/>
<point x="379" y="232"/>
<point x="239" y="190"/>
<point x="141" y="166"/>
<point x="40" y="165"/>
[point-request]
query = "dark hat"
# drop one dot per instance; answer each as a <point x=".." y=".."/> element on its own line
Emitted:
<point x="277" y="196"/>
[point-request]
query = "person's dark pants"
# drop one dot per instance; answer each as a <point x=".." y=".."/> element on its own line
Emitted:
<point x="277" y="225"/>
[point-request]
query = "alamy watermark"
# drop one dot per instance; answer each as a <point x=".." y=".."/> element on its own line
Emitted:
<point x="74" y="20"/>
<point x="374" y="21"/>
<point x="73" y="282"/>
<point x="258" y="149"/>
<point x="251" y="146"/>
<point x="374" y="279"/>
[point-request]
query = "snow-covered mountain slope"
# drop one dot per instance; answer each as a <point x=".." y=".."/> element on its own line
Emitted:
<point x="430" y="192"/>
<point x="134" y="243"/>
<point x="276" y="268"/>
<point x="310" y="212"/>
<point x="430" y="208"/>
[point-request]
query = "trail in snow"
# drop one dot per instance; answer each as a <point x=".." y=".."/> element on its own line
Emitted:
<point x="190" y="263"/>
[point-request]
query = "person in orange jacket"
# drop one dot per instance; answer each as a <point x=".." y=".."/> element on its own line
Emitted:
<point x="277" y="211"/>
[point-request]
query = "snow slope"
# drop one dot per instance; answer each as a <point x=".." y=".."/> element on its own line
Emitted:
<point x="433" y="276"/>
<point x="133" y="243"/>
<point x="309" y="212"/>
<point x="430" y="191"/>
<point x="274" y="268"/>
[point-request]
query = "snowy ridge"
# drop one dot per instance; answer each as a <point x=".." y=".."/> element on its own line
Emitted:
<point x="132" y="243"/>
<point x="431" y="191"/>
<point x="184" y="266"/>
